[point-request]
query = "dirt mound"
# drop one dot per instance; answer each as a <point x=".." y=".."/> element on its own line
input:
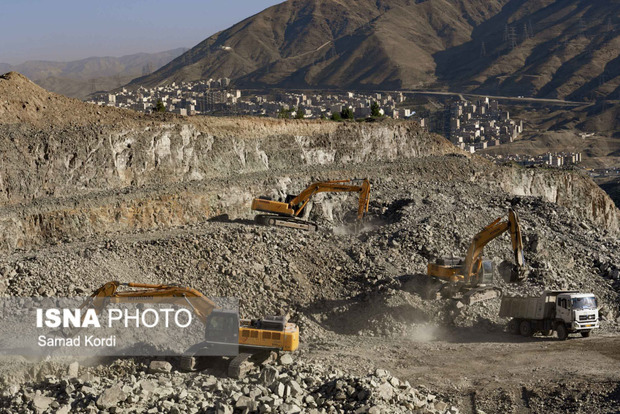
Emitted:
<point x="290" y="387"/>
<point x="23" y="101"/>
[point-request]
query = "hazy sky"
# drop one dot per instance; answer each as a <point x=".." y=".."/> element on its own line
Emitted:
<point x="64" y="30"/>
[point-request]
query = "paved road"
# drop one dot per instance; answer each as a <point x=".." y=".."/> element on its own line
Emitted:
<point x="507" y="98"/>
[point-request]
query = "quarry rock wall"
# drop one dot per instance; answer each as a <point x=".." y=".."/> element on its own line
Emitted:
<point x="64" y="182"/>
<point x="53" y="162"/>
<point x="570" y="189"/>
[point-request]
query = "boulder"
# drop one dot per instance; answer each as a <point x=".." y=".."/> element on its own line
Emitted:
<point x="73" y="369"/>
<point x="268" y="375"/>
<point x="160" y="367"/>
<point x="221" y="408"/>
<point x="111" y="397"/>
<point x="286" y="359"/>
<point x="385" y="391"/>
<point x="41" y="403"/>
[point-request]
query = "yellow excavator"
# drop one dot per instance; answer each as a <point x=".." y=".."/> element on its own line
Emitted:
<point x="286" y="213"/>
<point x="239" y="341"/>
<point x="471" y="278"/>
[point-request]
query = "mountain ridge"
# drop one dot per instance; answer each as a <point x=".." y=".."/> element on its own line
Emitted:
<point x="77" y="78"/>
<point x="543" y="48"/>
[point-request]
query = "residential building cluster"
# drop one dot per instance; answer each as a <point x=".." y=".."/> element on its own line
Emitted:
<point x="552" y="159"/>
<point x="478" y="125"/>
<point x="216" y="97"/>
<point x="186" y="98"/>
<point x="323" y="105"/>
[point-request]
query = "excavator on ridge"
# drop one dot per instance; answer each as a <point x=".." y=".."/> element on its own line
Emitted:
<point x="237" y="342"/>
<point x="471" y="278"/>
<point x="286" y="213"/>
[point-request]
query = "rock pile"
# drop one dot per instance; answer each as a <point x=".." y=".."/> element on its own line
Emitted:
<point x="343" y="281"/>
<point x="287" y="387"/>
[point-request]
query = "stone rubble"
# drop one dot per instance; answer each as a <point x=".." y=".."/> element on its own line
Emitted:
<point x="131" y="387"/>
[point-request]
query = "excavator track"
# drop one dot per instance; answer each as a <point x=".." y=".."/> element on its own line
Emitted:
<point x="240" y="366"/>
<point x="290" y="222"/>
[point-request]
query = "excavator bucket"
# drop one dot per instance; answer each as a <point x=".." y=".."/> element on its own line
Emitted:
<point x="481" y="294"/>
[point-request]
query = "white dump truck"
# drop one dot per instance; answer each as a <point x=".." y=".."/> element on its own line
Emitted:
<point x="563" y="311"/>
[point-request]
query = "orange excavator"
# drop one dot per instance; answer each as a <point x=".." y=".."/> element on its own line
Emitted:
<point x="286" y="213"/>
<point x="240" y="341"/>
<point x="471" y="278"/>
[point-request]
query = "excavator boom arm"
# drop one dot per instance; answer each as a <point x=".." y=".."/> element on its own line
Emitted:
<point x="515" y="236"/>
<point x="478" y="243"/>
<point x="469" y="272"/>
<point x="147" y="293"/>
<point x="336" y="186"/>
<point x="295" y="206"/>
<point x="489" y="233"/>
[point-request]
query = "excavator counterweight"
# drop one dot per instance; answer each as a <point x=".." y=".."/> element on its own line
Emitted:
<point x="286" y="213"/>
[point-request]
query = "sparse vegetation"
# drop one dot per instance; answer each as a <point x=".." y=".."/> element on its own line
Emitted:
<point x="159" y="106"/>
<point x="347" y="113"/>
<point x="375" y="111"/>
<point x="299" y="114"/>
<point x="284" y="113"/>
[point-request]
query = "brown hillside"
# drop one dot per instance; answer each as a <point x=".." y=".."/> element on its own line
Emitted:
<point x="332" y="43"/>
<point x="566" y="49"/>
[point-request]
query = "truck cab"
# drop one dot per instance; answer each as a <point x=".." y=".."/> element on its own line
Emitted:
<point x="579" y="311"/>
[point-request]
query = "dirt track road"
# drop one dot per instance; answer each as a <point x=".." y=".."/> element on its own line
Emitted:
<point x="494" y="372"/>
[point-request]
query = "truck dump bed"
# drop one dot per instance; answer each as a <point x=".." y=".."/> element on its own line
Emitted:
<point x="541" y="307"/>
<point x="521" y="308"/>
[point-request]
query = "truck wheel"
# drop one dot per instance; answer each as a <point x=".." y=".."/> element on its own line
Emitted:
<point x="525" y="328"/>
<point x="513" y="327"/>
<point x="585" y="334"/>
<point x="562" y="332"/>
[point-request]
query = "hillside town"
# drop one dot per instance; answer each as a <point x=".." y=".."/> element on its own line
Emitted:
<point x="216" y="97"/>
<point x="472" y="126"/>
<point x="478" y="125"/>
<point x="551" y="159"/>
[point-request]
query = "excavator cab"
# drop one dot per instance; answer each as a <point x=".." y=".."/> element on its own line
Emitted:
<point x="486" y="272"/>
<point x="299" y="206"/>
<point x="222" y="326"/>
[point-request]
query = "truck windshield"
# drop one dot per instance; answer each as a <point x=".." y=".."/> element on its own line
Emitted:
<point x="584" y="303"/>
